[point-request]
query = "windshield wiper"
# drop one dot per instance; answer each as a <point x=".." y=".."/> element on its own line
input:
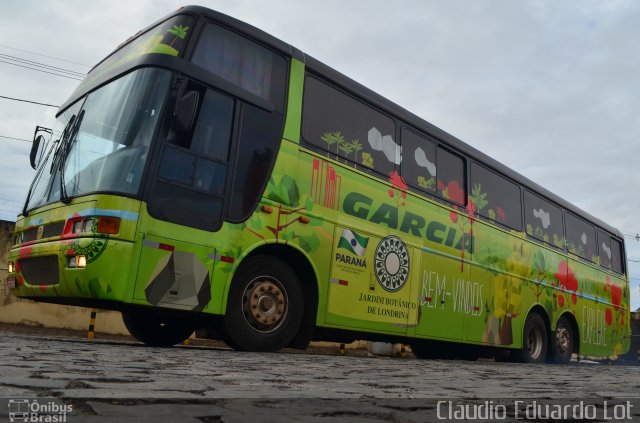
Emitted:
<point x="66" y="148"/>
<point x="37" y="178"/>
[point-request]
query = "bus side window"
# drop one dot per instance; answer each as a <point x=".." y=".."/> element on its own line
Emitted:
<point x="604" y="247"/>
<point x="616" y="256"/>
<point x="543" y="220"/>
<point x="243" y="63"/>
<point x="258" y="143"/>
<point x="581" y="237"/>
<point x="451" y="177"/>
<point x="495" y="197"/>
<point x="419" y="161"/>
<point x="342" y="126"/>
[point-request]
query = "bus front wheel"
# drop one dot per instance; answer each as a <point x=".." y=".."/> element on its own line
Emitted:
<point x="265" y="305"/>
<point x="155" y="329"/>
<point x="534" y="342"/>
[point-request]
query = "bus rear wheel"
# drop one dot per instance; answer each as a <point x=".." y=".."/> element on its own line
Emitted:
<point x="562" y="342"/>
<point x="156" y="329"/>
<point x="534" y="342"/>
<point x="265" y="305"/>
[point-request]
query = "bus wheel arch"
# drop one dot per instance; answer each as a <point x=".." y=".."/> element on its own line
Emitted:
<point x="564" y="340"/>
<point x="307" y="277"/>
<point x="271" y="274"/>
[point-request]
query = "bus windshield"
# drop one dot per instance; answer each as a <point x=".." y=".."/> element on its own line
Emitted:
<point x="105" y="145"/>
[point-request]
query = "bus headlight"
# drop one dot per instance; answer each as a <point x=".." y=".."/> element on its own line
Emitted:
<point x="11" y="267"/>
<point x="77" y="262"/>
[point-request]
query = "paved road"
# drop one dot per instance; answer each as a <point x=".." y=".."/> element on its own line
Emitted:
<point x="121" y="381"/>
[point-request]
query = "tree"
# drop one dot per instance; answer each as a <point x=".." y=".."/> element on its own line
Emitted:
<point x="356" y="146"/>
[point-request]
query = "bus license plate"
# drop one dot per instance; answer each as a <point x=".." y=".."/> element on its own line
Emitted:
<point x="10" y="283"/>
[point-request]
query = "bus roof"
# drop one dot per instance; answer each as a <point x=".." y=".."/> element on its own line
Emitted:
<point x="390" y="108"/>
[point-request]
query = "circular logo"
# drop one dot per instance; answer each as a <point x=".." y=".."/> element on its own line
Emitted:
<point x="391" y="263"/>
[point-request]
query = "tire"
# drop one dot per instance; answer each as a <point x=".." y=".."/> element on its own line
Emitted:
<point x="534" y="340"/>
<point x="265" y="306"/>
<point x="155" y="329"/>
<point x="562" y="342"/>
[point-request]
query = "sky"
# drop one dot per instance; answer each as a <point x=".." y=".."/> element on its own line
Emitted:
<point x="550" y="89"/>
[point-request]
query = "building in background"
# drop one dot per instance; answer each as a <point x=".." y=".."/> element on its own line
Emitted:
<point x="6" y="229"/>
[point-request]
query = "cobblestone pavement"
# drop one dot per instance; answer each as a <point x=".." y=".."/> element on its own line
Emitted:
<point x="126" y="381"/>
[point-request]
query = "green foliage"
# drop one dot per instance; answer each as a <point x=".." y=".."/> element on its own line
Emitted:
<point x="346" y="148"/>
<point x="539" y="232"/>
<point x="333" y="138"/>
<point x="539" y="263"/>
<point x="356" y="146"/>
<point x="577" y="250"/>
<point x="558" y="241"/>
<point x="309" y="242"/>
<point x="255" y="222"/>
<point x="179" y="31"/>
<point x="479" y="198"/>
<point x="367" y="159"/>
<point x="425" y="183"/>
<point x="286" y="191"/>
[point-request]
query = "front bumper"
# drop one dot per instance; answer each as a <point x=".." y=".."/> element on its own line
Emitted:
<point x="49" y="269"/>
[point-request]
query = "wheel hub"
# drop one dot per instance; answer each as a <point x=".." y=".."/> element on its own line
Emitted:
<point x="563" y="338"/>
<point x="264" y="304"/>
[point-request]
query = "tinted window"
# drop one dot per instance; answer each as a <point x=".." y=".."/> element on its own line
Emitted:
<point x="616" y="256"/>
<point x="260" y="134"/>
<point x="543" y="220"/>
<point x="192" y="176"/>
<point x="496" y="197"/>
<point x="210" y="137"/>
<point x="242" y="62"/>
<point x="581" y="237"/>
<point x="213" y="130"/>
<point x="610" y="252"/>
<point x="347" y="128"/>
<point x="186" y="207"/>
<point x="451" y="176"/>
<point x="604" y="248"/>
<point x="419" y="161"/>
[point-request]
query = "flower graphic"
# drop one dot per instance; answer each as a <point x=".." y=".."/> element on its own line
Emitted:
<point x="616" y="295"/>
<point x="608" y="316"/>
<point x="566" y="277"/>
<point x="502" y="217"/>
<point x="455" y="191"/>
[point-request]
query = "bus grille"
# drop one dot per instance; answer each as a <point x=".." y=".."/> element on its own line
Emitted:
<point x="50" y="230"/>
<point x="40" y="270"/>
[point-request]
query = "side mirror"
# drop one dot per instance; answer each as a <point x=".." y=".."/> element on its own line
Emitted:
<point x="186" y="109"/>
<point x="38" y="145"/>
<point x="37" y="148"/>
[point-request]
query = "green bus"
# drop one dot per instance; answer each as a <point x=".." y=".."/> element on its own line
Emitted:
<point x="208" y="175"/>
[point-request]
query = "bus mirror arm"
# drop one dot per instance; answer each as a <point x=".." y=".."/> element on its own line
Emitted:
<point x="185" y="111"/>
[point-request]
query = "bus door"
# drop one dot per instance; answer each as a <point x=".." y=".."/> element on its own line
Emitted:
<point x="369" y="282"/>
<point x="189" y="188"/>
